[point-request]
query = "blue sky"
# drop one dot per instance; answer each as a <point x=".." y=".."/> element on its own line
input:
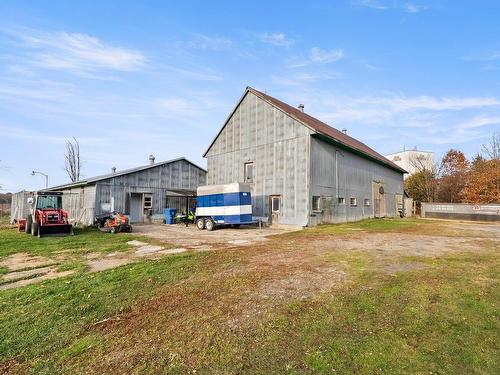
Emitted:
<point x="130" y="78"/>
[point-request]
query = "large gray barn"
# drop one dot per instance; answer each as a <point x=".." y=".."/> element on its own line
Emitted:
<point x="302" y="171"/>
<point x="140" y="192"/>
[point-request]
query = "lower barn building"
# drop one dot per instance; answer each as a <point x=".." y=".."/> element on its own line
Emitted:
<point x="140" y="192"/>
<point x="302" y="171"/>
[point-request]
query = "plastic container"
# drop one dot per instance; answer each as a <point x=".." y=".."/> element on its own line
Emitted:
<point x="169" y="214"/>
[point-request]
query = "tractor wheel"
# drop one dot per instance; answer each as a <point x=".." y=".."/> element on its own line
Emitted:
<point x="29" y="221"/>
<point x="200" y="223"/>
<point x="209" y="225"/>
<point x="34" y="229"/>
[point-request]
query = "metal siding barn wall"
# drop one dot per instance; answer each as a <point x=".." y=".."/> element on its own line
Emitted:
<point x="79" y="202"/>
<point x="19" y="208"/>
<point x="156" y="181"/>
<point x="278" y="146"/>
<point x="355" y="175"/>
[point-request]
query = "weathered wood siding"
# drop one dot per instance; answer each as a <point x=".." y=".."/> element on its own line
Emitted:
<point x="79" y="202"/>
<point x="19" y="208"/>
<point x="278" y="146"/>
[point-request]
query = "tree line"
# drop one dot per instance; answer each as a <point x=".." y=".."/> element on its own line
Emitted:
<point x="455" y="179"/>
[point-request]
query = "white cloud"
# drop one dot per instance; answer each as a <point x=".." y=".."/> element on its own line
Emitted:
<point x="403" y="103"/>
<point x="374" y="4"/>
<point x="485" y="57"/>
<point x="201" y="41"/>
<point x="374" y="109"/>
<point x="413" y="8"/>
<point x="40" y="90"/>
<point x="408" y="7"/>
<point x="198" y="74"/>
<point x="276" y="39"/>
<point x="478" y="122"/>
<point x="17" y="132"/>
<point x="80" y="53"/>
<point x="318" y="56"/>
<point x="304" y="78"/>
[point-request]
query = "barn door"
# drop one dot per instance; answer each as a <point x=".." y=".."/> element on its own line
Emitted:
<point x="274" y="208"/>
<point x="378" y="199"/>
<point x="136" y="210"/>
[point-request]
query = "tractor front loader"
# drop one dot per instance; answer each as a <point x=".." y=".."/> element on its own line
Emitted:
<point x="47" y="218"/>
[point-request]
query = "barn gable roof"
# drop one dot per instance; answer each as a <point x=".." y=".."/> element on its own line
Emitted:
<point x="318" y="127"/>
<point x="119" y="173"/>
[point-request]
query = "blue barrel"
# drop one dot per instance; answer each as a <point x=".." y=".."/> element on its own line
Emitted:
<point x="169" y="214"/>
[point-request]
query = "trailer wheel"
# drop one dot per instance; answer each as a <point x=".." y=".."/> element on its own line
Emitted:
<point x="200" y="223"/>
<point x="29" y="221"/>
<point x="34" y="229"/>
<point x="209" y="224"/>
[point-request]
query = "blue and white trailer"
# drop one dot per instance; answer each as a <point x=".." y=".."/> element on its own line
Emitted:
<point x="220" y="205"/>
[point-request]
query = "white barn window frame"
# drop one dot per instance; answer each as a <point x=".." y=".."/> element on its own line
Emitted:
<point x="249" y="172"/>
<point x="316" y="203"/>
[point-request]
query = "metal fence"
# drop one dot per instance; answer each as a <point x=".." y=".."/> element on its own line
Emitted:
<point x="462" y="211"/>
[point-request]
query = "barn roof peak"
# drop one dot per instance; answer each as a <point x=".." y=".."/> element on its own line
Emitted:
<point x="317" y="126"/>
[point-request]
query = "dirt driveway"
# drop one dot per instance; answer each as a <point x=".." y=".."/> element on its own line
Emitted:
<point x="194" y="239"/>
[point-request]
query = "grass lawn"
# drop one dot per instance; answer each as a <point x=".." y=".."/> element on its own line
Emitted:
<point x="84" y="241"/>
<point x="294" y="305"/>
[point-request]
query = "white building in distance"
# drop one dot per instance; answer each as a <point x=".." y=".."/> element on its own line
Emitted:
<point x="413" y="160"/>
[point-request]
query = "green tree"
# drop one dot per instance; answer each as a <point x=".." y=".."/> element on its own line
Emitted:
<point x="422" y="186"/>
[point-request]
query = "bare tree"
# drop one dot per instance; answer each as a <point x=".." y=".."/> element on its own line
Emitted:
<point x="422" y="163"/>
<point x="492" y="148"/>
<point x="72" y="163"/>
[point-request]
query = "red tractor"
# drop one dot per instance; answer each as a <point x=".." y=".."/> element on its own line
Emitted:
<point x="46" y="217"/>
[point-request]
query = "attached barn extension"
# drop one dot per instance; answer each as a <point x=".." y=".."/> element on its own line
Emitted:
<point x="141" y="192"/>
<point x="302" y="171"/>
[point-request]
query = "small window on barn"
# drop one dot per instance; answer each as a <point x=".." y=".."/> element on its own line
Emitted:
<point x="367" y="202"/>
<point x="316" y="203"/>
<point x="341" y="200"/>
<point x="148" y="202"/>
<point x="353" y="202"/>
<point x="249" y="172"/>
<point x="276" y="204"/>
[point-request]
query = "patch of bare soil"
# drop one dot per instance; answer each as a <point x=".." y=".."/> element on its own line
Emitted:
<point x="19" y="261"/>
<point x="51" y="274"/>
<point x="11" y="276"/>
<point x="24" y="269"/>
<point x="97" y="262"/>
<point x="102" y="264"/>
<point x="302" y="285"/>
<point x="191" y="237"/>
<point x="390" y="244"/>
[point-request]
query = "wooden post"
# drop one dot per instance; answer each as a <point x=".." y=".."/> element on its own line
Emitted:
<point x="187" y="209"/>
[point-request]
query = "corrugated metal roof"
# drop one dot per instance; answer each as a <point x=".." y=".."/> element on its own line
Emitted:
<point x="118" y="173"/>
<point x="318" y="127"/>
